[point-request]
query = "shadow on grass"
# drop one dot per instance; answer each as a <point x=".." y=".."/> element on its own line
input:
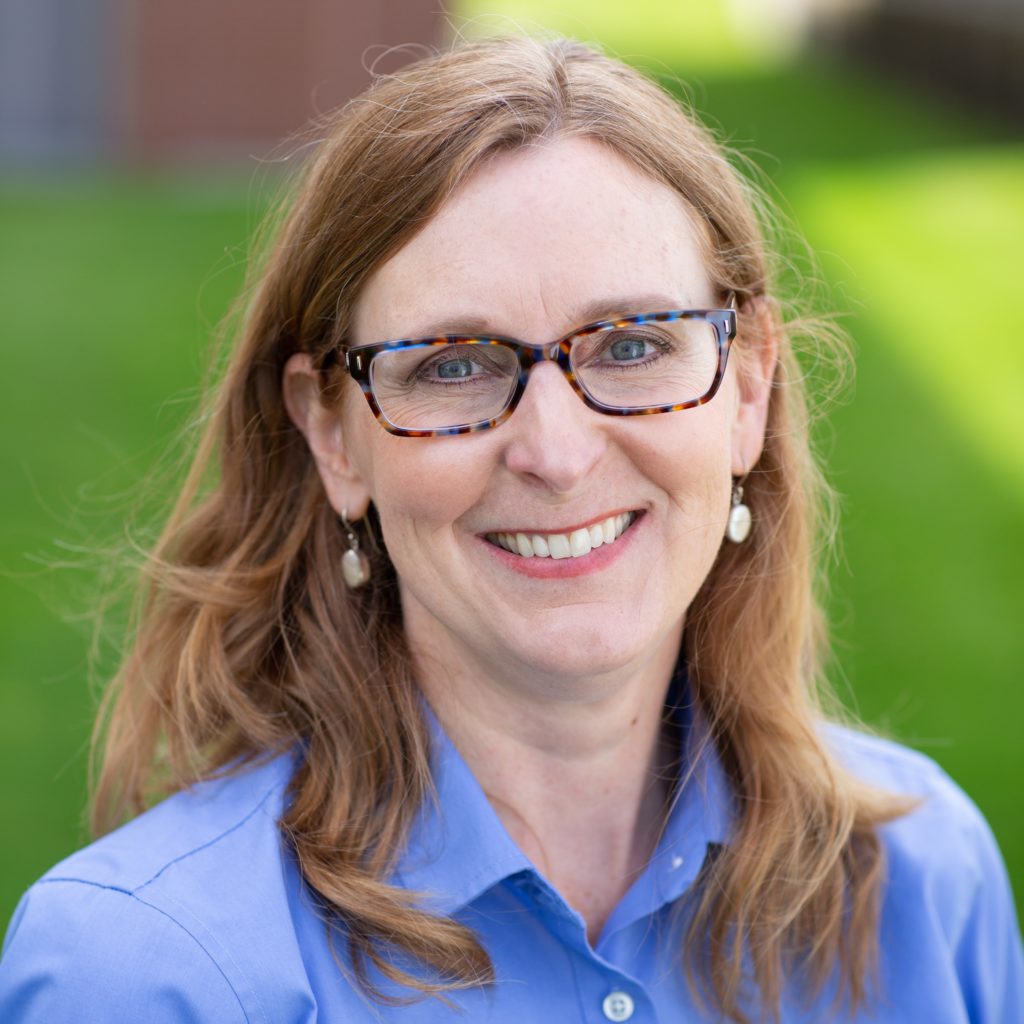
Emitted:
<point x="817" y="112"/>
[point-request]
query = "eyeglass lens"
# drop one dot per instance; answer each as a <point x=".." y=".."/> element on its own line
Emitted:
<point x="431" y="387"/>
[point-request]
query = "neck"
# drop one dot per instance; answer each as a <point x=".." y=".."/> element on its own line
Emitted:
<point x="578" y="773"/>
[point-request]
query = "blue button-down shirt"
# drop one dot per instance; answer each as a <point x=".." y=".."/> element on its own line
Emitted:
<point x="196" y="911"/>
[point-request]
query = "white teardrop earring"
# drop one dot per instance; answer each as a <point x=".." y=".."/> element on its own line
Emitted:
<point x="355" y="566"/>
<point x="738" y="528"/>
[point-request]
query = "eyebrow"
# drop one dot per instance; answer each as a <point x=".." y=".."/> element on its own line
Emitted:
<point x="600" y="309"/>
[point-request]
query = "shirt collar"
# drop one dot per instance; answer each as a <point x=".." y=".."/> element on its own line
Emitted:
<point x="458" y="848"/>
<point x="702" y="810"/>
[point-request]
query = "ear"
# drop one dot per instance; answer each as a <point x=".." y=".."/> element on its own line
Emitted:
<point x="758" y="349"/>
<point x="322" y="427"/>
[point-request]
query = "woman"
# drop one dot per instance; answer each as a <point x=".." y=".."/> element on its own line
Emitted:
<point x="488" y="693"/>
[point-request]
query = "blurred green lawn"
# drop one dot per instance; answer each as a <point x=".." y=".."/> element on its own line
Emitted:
<point x="112" y="288"/>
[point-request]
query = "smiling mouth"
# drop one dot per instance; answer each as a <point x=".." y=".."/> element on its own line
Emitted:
<point x="565" y="545"/>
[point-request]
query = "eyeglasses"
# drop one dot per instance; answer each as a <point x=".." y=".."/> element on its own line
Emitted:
<point x="634" y="366"/>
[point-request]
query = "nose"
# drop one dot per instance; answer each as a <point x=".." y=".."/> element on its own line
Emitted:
<point x="553" y="438"/>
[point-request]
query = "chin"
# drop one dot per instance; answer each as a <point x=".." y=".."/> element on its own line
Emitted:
<point x="583" y="658"/>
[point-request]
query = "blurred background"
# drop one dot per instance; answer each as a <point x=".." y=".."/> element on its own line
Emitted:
<point x="141" y="142"/>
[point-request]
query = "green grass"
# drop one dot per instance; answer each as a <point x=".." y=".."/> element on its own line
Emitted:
<point x="701" y="34"/>
<point x="932" y="457"/>
<point x="932" y="246"/>
<point x="112" y="288"/>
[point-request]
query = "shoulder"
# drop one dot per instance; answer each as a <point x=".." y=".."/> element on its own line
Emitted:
<point x="181" y="914"/>
<point x="936" y="801"/>
<point x="948" y="910"/>
<point x="886" y="763"/>
<point x="943" y="832"/>
<point x="199" y="827"/>
<point x="78" y="951"/>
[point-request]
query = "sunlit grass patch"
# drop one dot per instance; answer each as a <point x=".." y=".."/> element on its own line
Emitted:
<point x="698" y="34"/>
<point x="931" y="244"/>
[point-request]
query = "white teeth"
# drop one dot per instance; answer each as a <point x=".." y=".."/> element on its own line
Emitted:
<point x="579" y="543"/>
<point x="558" y="545"/>
<point x="561" y="545"/>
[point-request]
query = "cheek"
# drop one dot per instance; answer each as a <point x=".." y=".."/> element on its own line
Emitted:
<point x="690" y="461"/>
<point x="410" y="479"/>
<point x="421" y="487"/>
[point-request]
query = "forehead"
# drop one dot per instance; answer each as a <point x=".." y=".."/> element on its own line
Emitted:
<point x="535" y="241"/>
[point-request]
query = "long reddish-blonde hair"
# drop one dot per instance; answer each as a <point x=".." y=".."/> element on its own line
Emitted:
<point x="246" y="642"/>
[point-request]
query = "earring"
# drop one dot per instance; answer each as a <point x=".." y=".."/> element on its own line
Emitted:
<point x="738" y="528"/>
<point x="355" y="566"/>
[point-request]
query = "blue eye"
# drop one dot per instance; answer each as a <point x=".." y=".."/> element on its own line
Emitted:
<point x="454" y="368"/>
<point x="627" y="349"/>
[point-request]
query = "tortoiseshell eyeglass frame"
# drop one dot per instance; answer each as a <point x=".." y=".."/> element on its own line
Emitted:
<point x="357" y="362"/>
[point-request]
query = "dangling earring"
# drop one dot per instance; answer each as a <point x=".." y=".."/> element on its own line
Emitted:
<point x="355" y="566"/>
<point x="739" y="516"/>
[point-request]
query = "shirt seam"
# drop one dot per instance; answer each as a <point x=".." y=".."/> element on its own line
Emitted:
<point x="227" y="952"/>
<point x="141" y="902"/>
<point x="203" y="846"/>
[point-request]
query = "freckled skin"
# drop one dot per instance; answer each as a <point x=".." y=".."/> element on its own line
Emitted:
<point x="529" y="240"/>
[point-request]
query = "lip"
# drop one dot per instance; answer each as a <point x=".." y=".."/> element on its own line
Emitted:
<point x="568" y="568"/>
<point x="600" y="518"/>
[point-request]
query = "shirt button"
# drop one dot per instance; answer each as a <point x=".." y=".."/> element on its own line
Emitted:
<point x="618" y="1006"/>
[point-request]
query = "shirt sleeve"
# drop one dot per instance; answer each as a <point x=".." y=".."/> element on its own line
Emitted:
<point x="83" y="953"/>
<point x="989" y="957"/>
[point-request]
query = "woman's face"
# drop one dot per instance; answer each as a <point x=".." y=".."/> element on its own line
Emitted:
<point x="534" y="244"/>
